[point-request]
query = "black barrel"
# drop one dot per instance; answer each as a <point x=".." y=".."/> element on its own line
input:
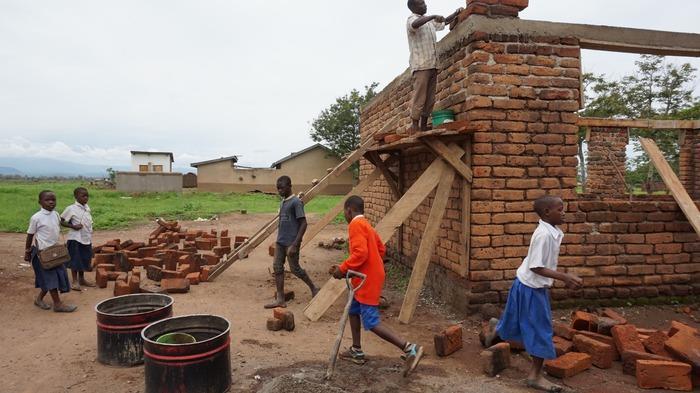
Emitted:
<point x="201" y="367"/>
<point x="119" y="324"/>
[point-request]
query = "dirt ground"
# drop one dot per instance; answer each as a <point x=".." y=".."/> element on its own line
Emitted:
<point x="47" y="352"/>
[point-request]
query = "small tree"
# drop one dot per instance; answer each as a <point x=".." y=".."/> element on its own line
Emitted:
<point x="338" y="126"/>
<point x="111" y="174"/>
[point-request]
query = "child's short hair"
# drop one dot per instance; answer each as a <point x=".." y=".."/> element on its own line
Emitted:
<point x="78" y="190"/>
<point x="355" y="203"/>
<point x="286" y="180"/>
<point x="44" y="192"/>
<point x="545" y="202"/>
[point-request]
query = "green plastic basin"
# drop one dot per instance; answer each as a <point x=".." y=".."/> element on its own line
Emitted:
<point x="443" y="116"/>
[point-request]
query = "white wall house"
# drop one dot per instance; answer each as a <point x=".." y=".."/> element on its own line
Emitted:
<point x="151" y="161"/>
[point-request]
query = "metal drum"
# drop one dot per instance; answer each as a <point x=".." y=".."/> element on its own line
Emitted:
<point x="200" y="367"/>
<point x="119" y="324"/>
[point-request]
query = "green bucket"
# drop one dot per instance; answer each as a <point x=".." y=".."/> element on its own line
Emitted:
<point x="443" y="116"/>
<point x="176" y="338"/>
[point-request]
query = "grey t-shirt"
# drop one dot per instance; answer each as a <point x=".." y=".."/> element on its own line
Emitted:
<point x="291" y="210"/>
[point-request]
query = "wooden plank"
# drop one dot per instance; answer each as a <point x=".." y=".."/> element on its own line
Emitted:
<point x="649" y="124"/>
<point x="427" y="243"/>
<point x="466" y="213"/>
<point x="441" y="150"/>
<point x="338" y="208"/>
<point x="390" y="178"/>
<point x="674" y="185"/>
<point x="403" y="208"/>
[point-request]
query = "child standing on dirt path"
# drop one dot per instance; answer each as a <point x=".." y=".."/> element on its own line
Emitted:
<point x="44" y="231"/>
<point x="290" y="232"/>
<point x="366" y="253"/>
<point x="528" y="315"/>
<point x="423" y="60"/>
<point x="78" y="218"/>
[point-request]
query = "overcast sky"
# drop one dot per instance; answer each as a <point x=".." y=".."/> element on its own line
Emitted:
<point x="89" y="80"/>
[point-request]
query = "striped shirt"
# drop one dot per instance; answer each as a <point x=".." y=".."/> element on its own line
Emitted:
<point x="422" y="43"/>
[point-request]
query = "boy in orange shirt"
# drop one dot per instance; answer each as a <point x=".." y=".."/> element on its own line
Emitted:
<point x="366" y="253"/>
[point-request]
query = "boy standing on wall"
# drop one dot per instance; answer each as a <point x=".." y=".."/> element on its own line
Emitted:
<point x="423" y="60"/>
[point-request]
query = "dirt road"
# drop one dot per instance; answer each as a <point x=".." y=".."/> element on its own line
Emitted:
<point x="47" y="352"/>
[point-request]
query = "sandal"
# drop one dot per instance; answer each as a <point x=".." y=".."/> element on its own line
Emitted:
<point x="64" y="308"/>
<point x="552" y="388"/>
<point x="87" y="284"/>
<point x="41" y="304"/>
<point x="76" y="287"/>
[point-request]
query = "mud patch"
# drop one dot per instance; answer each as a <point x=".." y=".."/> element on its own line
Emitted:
<point x="265" y="345"/>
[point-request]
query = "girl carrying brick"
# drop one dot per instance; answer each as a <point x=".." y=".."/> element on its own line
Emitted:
<point x="78" y="218"/>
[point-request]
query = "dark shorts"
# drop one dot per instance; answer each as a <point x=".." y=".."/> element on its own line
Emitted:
<point x="368" y="314"/>
<point x="80" y="256"/>
<point x="46" y="280"/>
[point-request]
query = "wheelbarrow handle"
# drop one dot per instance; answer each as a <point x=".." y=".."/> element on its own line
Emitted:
<point x="352" y="273"/>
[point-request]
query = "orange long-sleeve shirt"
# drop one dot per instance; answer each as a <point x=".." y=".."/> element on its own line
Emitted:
<point x="366" y="256"/>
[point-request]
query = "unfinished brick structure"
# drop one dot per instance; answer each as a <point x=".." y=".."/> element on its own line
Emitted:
<point x="517" y="83"/>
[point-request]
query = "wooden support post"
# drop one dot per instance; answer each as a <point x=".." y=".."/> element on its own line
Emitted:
<point x="442" y="151"/>
<point x="466" y="194"/>
<point x="674" y="185"/>
<point x="427" y="243"/>
<point x="414" y="196"/>
<point x="390" y="178"/>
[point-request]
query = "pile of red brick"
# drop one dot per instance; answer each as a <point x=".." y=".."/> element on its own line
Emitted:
<point x="173" y="259"/>
<point x="666" y="359"/>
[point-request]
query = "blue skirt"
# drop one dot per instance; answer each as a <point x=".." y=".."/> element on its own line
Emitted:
<point x="80" y="256"/>
<point x="528" y="320"/>
<point x="46" y="280"/>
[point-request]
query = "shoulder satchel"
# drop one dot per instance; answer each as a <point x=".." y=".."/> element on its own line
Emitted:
<point x="54" y="256"/>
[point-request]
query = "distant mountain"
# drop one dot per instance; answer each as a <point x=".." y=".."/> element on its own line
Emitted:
<point x="10" y="171"/>
<point x="52" y="167"/>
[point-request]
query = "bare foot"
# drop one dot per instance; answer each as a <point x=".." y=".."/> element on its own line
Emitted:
<point x="276" y="303"/>
<point x="542" y="384"/>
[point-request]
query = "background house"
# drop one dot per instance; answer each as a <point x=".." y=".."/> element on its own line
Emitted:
<point x="224" y="175"/>
<point x="151" y="161"/>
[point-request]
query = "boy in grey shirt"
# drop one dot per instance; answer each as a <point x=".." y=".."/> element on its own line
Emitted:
<point x="292" y="226"/>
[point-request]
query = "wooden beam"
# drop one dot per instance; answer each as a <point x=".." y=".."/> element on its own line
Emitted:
<point x="427" y="245"/>
<point x="390" y="178"/>
<point x="338" y="208"/>
<point x="466" y="212"/>
<point x="441" y="150"/>
<point x="674" y="185"/>
<point x="403" y="208"/>
<point x="649" y="124"/>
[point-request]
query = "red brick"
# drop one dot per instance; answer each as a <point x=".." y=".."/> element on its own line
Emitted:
<point x="284" y="315"/>
<point x="225" y="241"/>
<point x="657" y="374"/>
<point x="680" y="327"/>
<point x="205" y="270"/>
<point x="495" y="359"/>
<point x="121" y="288"/>
<point x="101" y="277"/>
<point x="581" y="320"/>
<point x="685" y="346"/>
<point x="610" y="313"/>
<point x="562" y="345"/>
<point x="275" y="324"/>
<point x="448" y="341"/>
<point x="606" y="324"/>
<point x="209" y="257"/>
<point x="204" y="244"/>
<point x="271" y="250"/>
<point x="602" y="355"/>
<point x="627" y="339"/>
<point x="135" y="283"/>
<point x="99" y="259"/>
<point x="568" y="365"/>
<point x="193" y="278"/>
<point x="629" y="360"/>
<point x="564" y="331"/>
<point x="172" y="273"/>
<point x="175" y="285"/>
<point x="655" y="342"/>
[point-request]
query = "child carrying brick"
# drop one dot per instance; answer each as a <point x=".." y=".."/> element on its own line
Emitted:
<point x="77" y="217"/>
<point x="44" y="231"/>
<point x="366" y="253"/>
<point x="292" y="226"/>
<point x="528" y="316"/>
<point x="423" y="60"/>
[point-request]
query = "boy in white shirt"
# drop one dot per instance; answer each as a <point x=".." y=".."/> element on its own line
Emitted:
<point x="44" y="231"/>
<point x="77" y="217"/>
<point x="528" y="316"/>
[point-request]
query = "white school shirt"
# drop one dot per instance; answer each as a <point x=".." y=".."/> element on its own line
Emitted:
<point x="79" y="214"/>
<point x="46" y="227"/>
<point x="543" y="252"/>
<point x="422" y="43"/>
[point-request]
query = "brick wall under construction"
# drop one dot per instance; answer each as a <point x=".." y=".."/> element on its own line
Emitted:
<point x="521" y="95"/>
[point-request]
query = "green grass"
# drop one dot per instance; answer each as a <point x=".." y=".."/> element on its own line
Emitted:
<point x="111" y="209"/>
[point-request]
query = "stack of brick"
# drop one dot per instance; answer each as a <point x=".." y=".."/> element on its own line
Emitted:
<point x="172" y="260"/>
<point x="659" y="359"/>
<point x="493" y="8"/>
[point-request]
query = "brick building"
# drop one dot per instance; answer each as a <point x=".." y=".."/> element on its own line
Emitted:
<point x="517" y="83"/>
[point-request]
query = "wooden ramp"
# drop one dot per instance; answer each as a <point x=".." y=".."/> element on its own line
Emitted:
<point x="674" y="185"/>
